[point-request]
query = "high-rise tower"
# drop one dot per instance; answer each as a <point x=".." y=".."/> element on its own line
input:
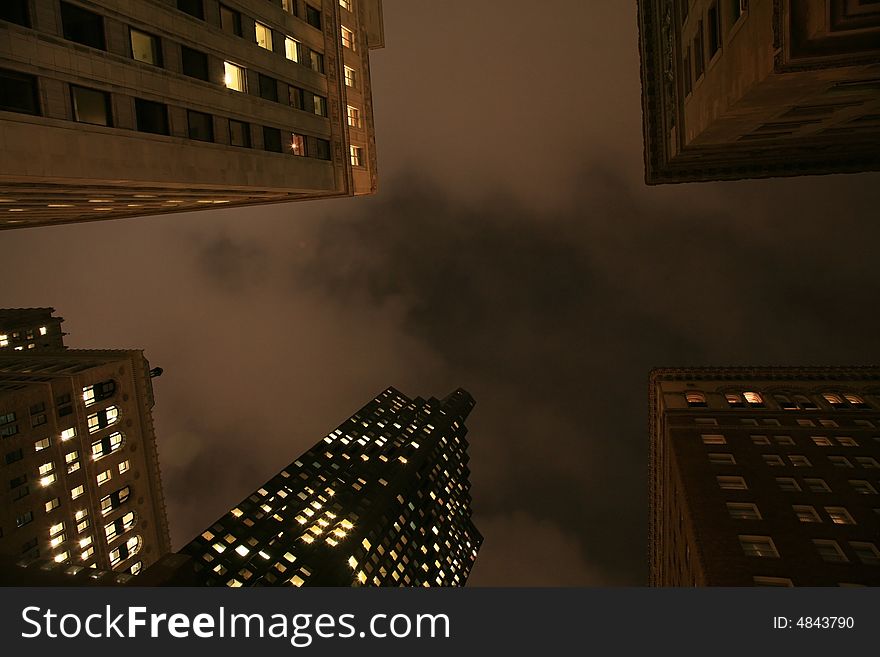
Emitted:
<point x="384" y="500"/>
<point x="112" y="108"/>
<point x="765" y="476"/>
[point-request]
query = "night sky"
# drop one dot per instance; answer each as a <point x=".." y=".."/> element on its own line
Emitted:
<point x="513" y="250"/>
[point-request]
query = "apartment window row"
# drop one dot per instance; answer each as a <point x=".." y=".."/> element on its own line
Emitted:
<point x="235" y="78"/>
<point x="196" y="9"/>
<point x="87" y="28"/>
<point x="707" y="39"/>
<point x="790" y="484"/>
<point x="828" y="550"/>
<point x="295" y="144"/>
<point x="837" y="515"/>
<point x="758" y="400"/>
<point x="818" y="441"/>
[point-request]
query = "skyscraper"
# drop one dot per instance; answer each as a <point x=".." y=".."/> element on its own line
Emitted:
<point x="112" y="108"/>
<point x="79" y="477"/>
<point x="383" y="500"/>
<point x="757" y="88"/>
<point x="765" y="476"/>
<point x="23" y="329"/>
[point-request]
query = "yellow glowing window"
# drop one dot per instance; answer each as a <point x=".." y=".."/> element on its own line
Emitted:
<point x="67" y="434"/>
<point x="242" y="550"/>
<point x="234" y="77"/>
<point x="264" y="36"/>
<point x="348" y="38"/>
<point x="296" y="580"/>
<point x="291" y="49"/>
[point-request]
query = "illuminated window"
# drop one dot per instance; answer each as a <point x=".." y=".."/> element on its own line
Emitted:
<point x="805" y="513"/>
<point x="731" y="483"/>
<point x="834" y="399"/>
<point x="234" y="77"/>
<point x="743" y="511"/>
<point x="695" y="398"/>
<point x="131" y="547"/>
<point x="264" y="35"/>
<point x="40" y="445"/>
<point x="52" y="504"/>
<point x="839" y="515"/>
<point x="866" y="552"/>
<point x="124" y="467"/>
<point x="67" y="434"/>
<point x="119" y="526"/>
<point x="291" y="49"/>
<point x="347" y="38"/>
<point x="351" y="77"/>
<point x="754" y="399"/>
<point x="855" y="400"/>
<point x="104" y="477"/>
<point x="354" y="117"/>
<point x="297" y="144"/>
<point x="829" y="551"/>
<point x="102" y="419"/>
<point x="713" y="439"/>
<point x="722" y="459"/>
<point x="356" y="153"/>
<point x="345" y="4"/>
<point x="78" y="491"/>
<point x="98" y="392"/>
<point x="114" y="500"/>
<point x="107" y="445"/>
<point x="72" y="461"/>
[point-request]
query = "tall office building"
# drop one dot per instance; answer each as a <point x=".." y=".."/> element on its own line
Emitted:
<point x="79" y="477"/>
<point x="23" y="329"/>
<point x="765" y="476"/>
<point x="757" y="88"/>
<point x="381" y="501"/>
<point x="117" y="108"/>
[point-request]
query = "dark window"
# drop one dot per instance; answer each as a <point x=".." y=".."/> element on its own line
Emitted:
<point x="38" y="420"/>
<point x="30" y="545"/>
<point x="313" y="16"/>
<point x="687" y="72"/>
<point x="146" y="48"/>
<point x="62" y="399"/>
<point x="714" y="30"/>
<point x="192" y="7"/>
<point x="24" y="519"/>
<point x="316" y="61"/>
<point x="319" y="105"/>
<point x="322" y="149"/>
<point x="82" y="26"/>
<point x="296" y="97"/>
<point x="239" y="134"/>
<point x="272" y="139"/>
<point x="15" y="11"/>
<point x="8" y="430"/>
<point x="18" y="93"/>
<point x="151" y="117"/>
<point x="201" y="126"/>
<point x="195" y="63"/>
<point x="698" y="52"/>
<point x="38" y="408"/>
<point x="21" y="480"/>
<point x="268" y="88"/>
<point x="7" y="418"/>
<point x="104" y="390"/>
<point x="230" y="20"/>
<point x="13" y="456"/>
<point x="91" y="106"/>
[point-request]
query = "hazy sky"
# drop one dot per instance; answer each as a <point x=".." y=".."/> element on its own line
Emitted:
<point x="512" y="250"/>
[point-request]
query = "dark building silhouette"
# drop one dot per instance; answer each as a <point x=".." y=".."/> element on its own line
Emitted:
<point x="765" y="476"/>
<point x="120" y="108"/>
<point x="23" y="329"/>
<point x="79" y="474"/>
<point x="384" y="500"/>
<point x="757" y="88"/>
